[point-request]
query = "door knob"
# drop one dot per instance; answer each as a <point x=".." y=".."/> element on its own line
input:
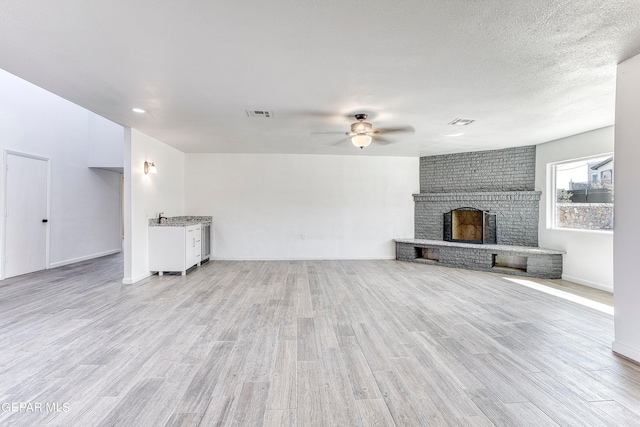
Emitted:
<point x="45" y="220"/>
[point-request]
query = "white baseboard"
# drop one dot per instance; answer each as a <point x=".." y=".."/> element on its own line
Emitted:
<point x="625" y="351"/>
<point x="83" y="258"/>
<point x="131" y="281"/>
<point x="588" y="283"/>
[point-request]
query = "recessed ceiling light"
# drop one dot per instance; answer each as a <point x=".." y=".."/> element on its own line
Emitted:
<point x="461" y="122"/>
<point x="138" y="110"/>
<point x="456" y="134"/>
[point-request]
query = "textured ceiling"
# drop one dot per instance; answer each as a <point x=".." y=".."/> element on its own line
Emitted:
<point x="527" y="72"/>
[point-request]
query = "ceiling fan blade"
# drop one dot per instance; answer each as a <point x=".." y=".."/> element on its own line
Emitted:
<point x="328" y="133"/>
<point x="342" y="141"/>
<point x="396" y="130"/>
<point x="382" y="141"/>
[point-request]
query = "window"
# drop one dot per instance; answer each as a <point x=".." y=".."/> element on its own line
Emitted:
<point x="582" y="196"/>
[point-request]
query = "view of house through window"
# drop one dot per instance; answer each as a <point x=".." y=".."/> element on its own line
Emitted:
<point x="583" y="196"/>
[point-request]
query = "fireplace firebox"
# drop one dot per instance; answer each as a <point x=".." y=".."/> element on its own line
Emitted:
<point x="469" y="225"/>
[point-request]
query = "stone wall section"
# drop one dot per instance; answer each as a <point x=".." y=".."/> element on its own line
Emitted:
<point x="510" y="169"/>
<point x="585" y="216"/>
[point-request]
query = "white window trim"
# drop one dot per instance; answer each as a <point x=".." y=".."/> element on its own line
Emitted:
<point x="552" y="198"/>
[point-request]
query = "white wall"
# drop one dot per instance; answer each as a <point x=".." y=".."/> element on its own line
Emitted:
<point x="106" y="144"/>
<point x="627" y="206"/>
<point x="589" y="258"/>
<point x="147" y="195"/>
<point x="85" y="217"/>
<point x="276" y="206"/>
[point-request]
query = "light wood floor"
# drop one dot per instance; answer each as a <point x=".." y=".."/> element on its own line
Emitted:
<point x="343" y="343"/>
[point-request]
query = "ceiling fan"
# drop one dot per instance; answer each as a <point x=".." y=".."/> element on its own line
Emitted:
<point x="363" y="132"/>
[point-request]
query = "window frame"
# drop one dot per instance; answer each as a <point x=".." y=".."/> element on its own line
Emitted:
<point x="552" y="196"/>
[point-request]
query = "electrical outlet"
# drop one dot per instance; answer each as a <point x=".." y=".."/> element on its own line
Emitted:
<point x="303" y="237"/>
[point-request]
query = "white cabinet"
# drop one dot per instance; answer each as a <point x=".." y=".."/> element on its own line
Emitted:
<point x="174" y="248"/>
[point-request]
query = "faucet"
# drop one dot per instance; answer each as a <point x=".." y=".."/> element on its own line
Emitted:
<point x="160" y="217"/>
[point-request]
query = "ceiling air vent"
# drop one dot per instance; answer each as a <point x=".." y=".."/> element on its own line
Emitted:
<point x="259" y="113"/>
<point x="461" y="122"/>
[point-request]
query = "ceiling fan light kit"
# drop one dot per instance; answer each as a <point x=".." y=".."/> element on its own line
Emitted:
<point x="361" y="132"/>
<point x="361" y="141"/>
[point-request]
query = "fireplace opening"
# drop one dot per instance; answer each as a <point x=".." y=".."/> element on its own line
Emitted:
<point x="432" y="254"/>
<point x="470" y="225"/>
<point x="509" y="262"/>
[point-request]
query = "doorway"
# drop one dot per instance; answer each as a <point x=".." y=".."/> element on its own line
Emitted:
<point x="26" y="205"/>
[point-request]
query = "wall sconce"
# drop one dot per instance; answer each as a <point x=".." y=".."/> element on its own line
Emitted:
<point x="150" y="167"/>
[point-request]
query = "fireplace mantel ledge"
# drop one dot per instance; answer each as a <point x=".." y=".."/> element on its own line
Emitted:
<point x="524" y="250"/>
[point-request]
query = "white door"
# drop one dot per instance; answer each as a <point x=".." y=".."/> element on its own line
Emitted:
<point x="26" y="215"/>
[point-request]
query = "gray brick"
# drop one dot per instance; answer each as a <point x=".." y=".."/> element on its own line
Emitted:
<point x="511" y="169"/>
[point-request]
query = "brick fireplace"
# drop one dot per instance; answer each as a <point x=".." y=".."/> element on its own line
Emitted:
<point x="480" y="197"/>
<point x="498" y="181"/>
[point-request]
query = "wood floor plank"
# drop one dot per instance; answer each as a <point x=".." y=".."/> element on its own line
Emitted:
<point x="624" y="389"/>
<point x="493" y="408"/>
<point x="250" y="406"/>
<point x="200" y="392"/>
<point x="233" y="373"/>
<point x="431" y="353"/>
<point x="219" y="412"/>
<point x="312" y="408"/>
<point x="399" y="400"/>
<point x="280" y="418"/>
<point x="361" y="377"/>
<point x="303" y="302"/>
<point x="487" y="373"/>
<point x="529" y="414"/>
<point x="299" y="343"/>
<point x="563" y="404"/>
<point x="202" y="345"/>
<point x="89" y="412"/>
<point x="260" y="359"/>
<point x="282" y="393"/>
<point x="371" y="347"/>
<point x="306" y="334"/>
<point x="614" y="413"/>
<point x="127" y="411"/>
<point x="478" y="421"/>
<point x="374" y="413"/>
<point x="184" y="420"/>
<point x="177" y="377"/>
<point x="340" y="396"/>
<point x="433" y="406"/>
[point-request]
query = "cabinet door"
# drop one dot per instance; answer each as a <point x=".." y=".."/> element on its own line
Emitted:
<point x="166" y="248"/>
<point x="197" y="249"/>
<point x="192" y="243"/>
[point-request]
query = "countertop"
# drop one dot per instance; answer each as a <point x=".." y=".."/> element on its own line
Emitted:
<point x="180" y="221"/>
